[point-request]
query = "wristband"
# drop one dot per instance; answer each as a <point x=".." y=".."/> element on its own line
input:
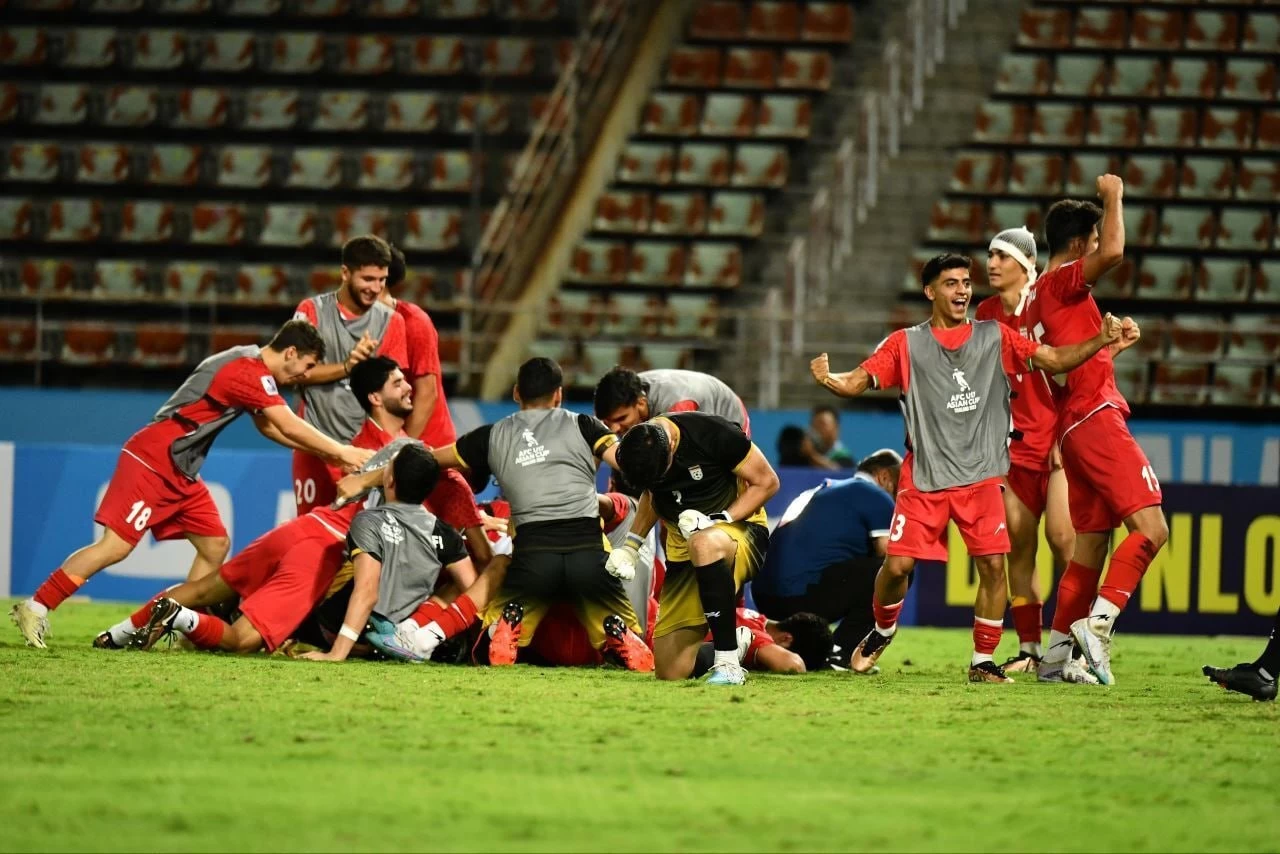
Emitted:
<point x="722" y="516"/>
<point x="348" y="633"/>
<point x="635" y="541"/>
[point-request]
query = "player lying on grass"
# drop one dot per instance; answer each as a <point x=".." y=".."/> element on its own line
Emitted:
<point x="156" y="485"/>
<point x="799" y="644"/>
<point x="1258" y="679"/>
<point x="706" y="480"/>
<point x="281" y="574"/>
<point x="955" y="399"/>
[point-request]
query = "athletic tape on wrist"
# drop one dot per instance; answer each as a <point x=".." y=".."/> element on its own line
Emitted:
<point x="635" y="541"/>
<point x="348" y="633"/>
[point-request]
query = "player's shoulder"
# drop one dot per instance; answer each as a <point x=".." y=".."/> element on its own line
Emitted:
<point x="412" y="313"/>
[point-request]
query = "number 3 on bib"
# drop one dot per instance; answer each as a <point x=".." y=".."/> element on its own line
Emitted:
<point x="899" y="522"/>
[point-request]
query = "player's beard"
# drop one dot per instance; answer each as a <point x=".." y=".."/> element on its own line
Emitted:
<point x="400" y="410"/>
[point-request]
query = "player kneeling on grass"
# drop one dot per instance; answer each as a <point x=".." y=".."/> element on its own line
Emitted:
<point x="799" y="644"/>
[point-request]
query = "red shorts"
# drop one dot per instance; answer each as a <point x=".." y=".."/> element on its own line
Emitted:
<point x="283" y="574"/>
<point x="1031" y="486"/>
<point x="1109" y="478"/>
<point x="453" y="501"/>
<point x="138" y="499"/>
<point x="562" y="641"/>
<point x="920" y="521"/>
<point x="313" y="485"/>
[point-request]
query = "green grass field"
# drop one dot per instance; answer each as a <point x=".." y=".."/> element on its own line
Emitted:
<point x="186" y="751"/>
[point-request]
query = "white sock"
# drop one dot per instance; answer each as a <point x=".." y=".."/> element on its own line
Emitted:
<point x="978" y="658"/>
<point x="889" y="632"/>
<point x="40" y="610"/>
<point x="186" y="620"/>
<point x="726" y="657"/>
<point x="1059" y="647"/>
<point x="1105" y="608"/>
<point x="1032" y="648"/>
<point x="122" y="631"/>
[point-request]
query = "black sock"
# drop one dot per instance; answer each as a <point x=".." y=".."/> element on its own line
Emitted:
<point x="1270" y="658"/>
<point x="715" y="588"/>
<point x="706" y="658"/>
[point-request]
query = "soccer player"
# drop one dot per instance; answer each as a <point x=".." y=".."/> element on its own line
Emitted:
<point x="705" y="479"/>
<point x="1109" y="478"/>
<point x="354" y="325"/>
<point x="955" y="400"/>
<point x="1258" y="679"/>
<point x="281" y="575"/>
<point x="156" y="485"/>
<point x="799" y="644"/>
<point x="624" y="398"/>
<point x="544" y="458"/>
<point x="452" y="499"/>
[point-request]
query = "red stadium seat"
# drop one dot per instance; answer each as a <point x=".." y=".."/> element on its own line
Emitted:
<point x="1196" y="337"/>
<point x="1238" y="385"/>
<point x="806" y="69"/>
<point x="159" y="346"/>
<point x="1165" y="278"/>
<point x="146" y="222"/>
<point x="1258" y="179"/>
<point x="827" y="22"/>
<point x="288" y="225"/>
<point x="694" y="66"/>
<point x="227" y="51"/>
<point x="1140" y="225"/>
<point x="622" y="212"/>
<point x="244" y="166"/>
<point x="1081" y="76"/>
<point x="1254" y="337"/>
<point x="47" y="277"/>
<point x="507" y="57"/>
<point x="88" y="343"/>
<point x="958" y="222"/>
<point x="1223" y="280"/>
<point x="159" y="50"/>
<point x="758" y="165"/>
<point x="1152" y="345"/>
<point x="353" y="220"/>
<point x="433" y="229"/>
<point x="728" y="114"/>
<point x="671" y="114"/>
<point x="646" y="163"/>
<point x="217" y="224"/>
<point x="1249" y="80"/>
<point x="1036" y="174"/>
<point x="1118" y="283"/>
<point x="191" y="281"/>
<point x="599" y="262"/>
<point x="23" y="46"/>
<point x="89" y="48"/>
<point x="679" y="213"/>
<point x="1207" y="178"/>
<point x="1227" y="128"/>
<point x="412" y="111"/>
<point x="315" y="168"/>
<point x="455" y="171"/>
<point x="368" y="54"/>
<point x="750" y="68"/>
<point x="656" y="263"/>
<point x="979" y="172"/>
<point x="103" y="163"/>
<point x="784" y="116"/>
<point x="226" y="337"/>
<point x="718" y="19"/>
<point x="769" y="20"/>
<point x="1191" y="77"/>
<point x="18" y="339"/>
<point x="1114" y="125"/>
<point x="1044" y="28"/>
<point x="490" y="113"/>
<point x="703" y="164"/>
<point x="385" y="169"/>
<point x="1002" y="121"/>
<point x="1153" y="176"/>
<point x="1024" y="74"/>
<point x="571" y="311"/>
<point x="1058" y="124"/>
<point x="437" y="55"/>
<point x="346" y="110"/>
<point x="297" y="53"/>
<point x="1246" y="229"/>
<point x="322" y="280"/>
<point x="263" y="284"/>
<point x="1156" y="29"/>
<point x="202" y="108"/>
<point x="270" y="109"/>
<point x="1171" y="127"/>
<point x="74" y="220"/>
<point x="1185" y="384"/>
<point x="1135" y="76"/>
<point x="714" y="265"/>
<point x="1262" y="33"/>
<point x="15" y="219"/>
<point x="737" y="215"/>
<point x="1099" y="27"/>
<point x="34" y="161"/>
<point x="1212" y="30"/>
<point x="130" y="106"/>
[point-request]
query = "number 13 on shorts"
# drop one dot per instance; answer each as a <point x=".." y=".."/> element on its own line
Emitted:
<point x="899" y="523"/>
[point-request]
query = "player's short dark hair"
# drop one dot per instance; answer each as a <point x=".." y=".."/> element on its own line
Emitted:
<point x="367" y="250"/>
<point x="791" y="446"/>
<point x="369" y="376"/>
<point x="879" y="461"/>
<point x="939" y="264"/>
<point x="822" y="408"/>
<point x="300" y="334"/>
<point x="415" y="471"/>
<point x="618" y="388"/>
<point x="644" y="454"/>
<point x="398" y="268"/>
<point x="619" y="483"/>
<point x="1068" y="219"/>
<point x="538" y="379"/>
<point x="810" y="638"/>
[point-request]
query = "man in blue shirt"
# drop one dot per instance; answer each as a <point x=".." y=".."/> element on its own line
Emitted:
<point x="824" y="554"/>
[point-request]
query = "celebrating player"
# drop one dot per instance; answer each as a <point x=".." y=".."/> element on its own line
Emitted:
<point x="545" y="459"/>
<point x="1109" y="477"/>
<point x="624" y="398"/>
<point x="955" y="400"/>
<point x="354" y="325"/>
<point x="706" y="480"/>
<point x="156" y="485"/>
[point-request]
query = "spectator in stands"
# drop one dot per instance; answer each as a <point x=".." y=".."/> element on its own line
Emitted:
<point x="824" y="435"/>
<point x="792" y="442"/>
<point x="828" y="546"/>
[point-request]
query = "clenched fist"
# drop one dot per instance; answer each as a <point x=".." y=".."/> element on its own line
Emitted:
<point x="821" y="369"/>
<point x="1110" y="186"/>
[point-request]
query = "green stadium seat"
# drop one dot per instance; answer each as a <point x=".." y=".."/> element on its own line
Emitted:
<point x="437" y="55"/>
<point x="217" y="223"/>
<point x="1262" y="33"/>
<point x="979" y="172"/>
<point x="1227" y="128"/>
<point x="1212" y="30"/>
<point x="1171" y="127"/>
<point x="703" y="164"/>
<point x="1243" y="228"/>
<point x="784" y="116"/>
<point x="1249" y="80"/>
<point x="1135" y="77"/>
<point x="288" y="225"/>
<point x="1207" y="178"/>
<point x="1223" y="280"/>
<point x="646" y="163"/>
<point x="1002" y="121"/>
<point x="433" y="229"/>
<point x="315" y="168"/>
<point x="1156" y="29"/>
<point x="1150" y="175"/>
<point x="412" y="112"/>
<point x="1100" y="27"/>
<point x="654" y="263"/>
<point x="1058" y="124"/>
<point x="1238" y="385"/>
<point x="728" y="114"/>
<point x="1258" y="179"/>
<point x="714" y="265"/>
<point x="74" y="220"/>
<point x="36" y="162"/>
<point x="1042" y="27"/>
<point x="1191" y="77"/>
<point x="622" y="212"/>
<point x="387" y="169"/>
<point x="1163" y="277"/>
<point x="120" y="279"/>
<point x="146" y="221"/>
<point x="806" y="69"/>
<point x="1114" y="125"/>
<point x="88" y="48"/>
<point x="1036" y="174"/>
<point x="1024" y="74"/>
<point x="750" y="68"/>
<point x="736" y="215"/>
<point x="488" y="113"/>
<point x="1084" y="168"/>
<point x="1080" y="76"/>
<point x="760" y="165"/>
<point x="270" y="109"/>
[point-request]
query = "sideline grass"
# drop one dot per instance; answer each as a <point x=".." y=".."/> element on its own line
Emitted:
<point x="186" y="751"/>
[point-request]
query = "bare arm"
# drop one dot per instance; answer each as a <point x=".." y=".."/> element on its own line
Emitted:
<point x="424" y="403"/>
<point x="359" y="483"/>
<point x="605" y="503"/>
<point x="1110" y="251"/>
<point x="364" y="595"/>
<point x="332" y="372"/>
<point x="304" y="437"/>
<point x="1057" y="360"/>
<point x="646" y="517"/>
<point x="463" y="572"/>
<point x="848" y="384"/>
<point x="880" y="544"/>
<point x="778" y="660"/>
<point x="448" y="458"/>
<point x="761" y="484"/>
<point x="266" y="428"/>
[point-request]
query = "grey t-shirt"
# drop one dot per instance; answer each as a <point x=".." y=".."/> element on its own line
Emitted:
<point x="671" y="390"/>
<point x="413" y="547"/>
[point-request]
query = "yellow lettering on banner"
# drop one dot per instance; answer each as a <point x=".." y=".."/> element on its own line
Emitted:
<point x="962" y="581"/>
<point x="1169" y="577"/>
<point x="1212" y="600"/>
<point x="1044" y="562"/>
<point x="1261" y="586"/>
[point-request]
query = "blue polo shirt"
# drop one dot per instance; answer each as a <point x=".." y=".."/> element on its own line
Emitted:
<point x="836" y="522"/>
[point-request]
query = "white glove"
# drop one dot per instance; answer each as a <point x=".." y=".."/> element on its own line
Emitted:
<point x="427" y="638"/>
<point x="693" y="521"/>
<point x="502" y="546"/>
<point x="622" y="560"/>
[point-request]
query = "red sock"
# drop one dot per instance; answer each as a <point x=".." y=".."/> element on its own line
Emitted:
<point x="1028" y="620"/>
<point x="139" y="617"/>
<point x="886" y="615"/>
<point x="1129" y="563"/>
<point x="986" y="635"/>
<point x="428" y="612"/>
<point x="1076" y="592"/>
<point x="208" y="632"/>
<point x="56" y="588"/>
<point x="457" y="616"/>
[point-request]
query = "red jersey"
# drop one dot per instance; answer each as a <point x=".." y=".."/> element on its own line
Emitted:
<point x="1060" y="310"/>
<point x="371" y="437"/>
<point x="1034" y="407"/>
<point x="890" y="366"/>
<point x="423" y="344"/>
<point x="754" y="623"/>
<point x="241" y="385"/>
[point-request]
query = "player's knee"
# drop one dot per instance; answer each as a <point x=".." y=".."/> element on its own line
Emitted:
<point x="214" y="549"/>
<point x="112" y="548"/>
<point x="990" y="567"/>
<point x="1061" y="543"/>
<point x="709" y="545"/>
<point x="896" y="568"/>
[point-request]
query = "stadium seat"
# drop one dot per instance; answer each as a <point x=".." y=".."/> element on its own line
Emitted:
<point x="1155" y="331"/>
<point x="1207" y="30"/>
<point x="1150" y="175"/>
<point x="159" y="50"/>
<point x="62" y="104"/>
<point x="1266" y="282"/>
<point x="454" y="171"/>
<point x="1171" y="127"/>
<point x="714" y="265"/>
<point x="226" y="51"/>
<point x="1207" y="178"/>
<point x="757" y="165"/>
<point x="569" y="311"/>
<point x="693" y="66"/>
<point x="979" y="172"/>
<point x="353" y="220"/>
<point x="1036" y="174"/>
<point x="288" y="225"/>
<point x="217" y="224"/>
<point x="226" y="337"/>
<point x="1227" y="128"/>
<point x="1140" y="225"/>
<point x="1024" y="74"/>
<point x="367" y="54"/>
<point x="18" y="339"/>
<point x="1223" y="280"/>
<point x="667" y="356"/>
<point x="691" y="316"/>
<point x="120" y="279"/>
<point x="48" y="277"/>
<point x="191" y="281"/>
<point x="270" y="109"/>
<point x="1114" y="125"/>
<point x="628" y="315"/>
<point x="1100" y="27"/>
<point x="103" y="163"/>
<point x="433" y="229"/>
<point x="656" y="263"/>
<point x="1183" y="384"/>
<point x="1269" y="130"/>
<point x="1254" y="337"/>
<point x="202" y="108"/>
<point x="1008" y="214"/>
<point x="1258" y="179"/>
<point x="703" y="164"/>
<point x="1118" y="283"/>
<point x="957" y="222"/>
<point x="15" y="219"/>
<point x="412" y="111"/>
<point x="806" y="69"/>
<point x="827" y="22"/>
<point x="679" y="213"/>
<point x="1238" y="385"/>
<point x="736" y="214"/>
<point x="768" y="20"/>
<point x="750" y="68"/>
<point x="159" y="346"/>
<point x="315" y="168"/>
<point x="323" y="8"/>
<point x="88" y="48"/>
<point x="1245" y="229"/>
<point x="8" y="102"/>
<point x="1249" y="80"/>
<point x="533" y="10"/>
<point x="599" y="262"/>
<point x="173" y="165"/>
<point x="1261" y="33"/>
<point x="1084" y="168"/>
<point x="297" y="53"/>
<point x="88" y="343"/>
<point x="385" y="169"/>
<point x="721" y="20"/>
<point x="1135" y="77"/>
<point x="622" y="212"/>
<point x="437" y="55"/>
<point x="244" y="166"/>
<point x="33" y="161"/>
<point x="323" y="279"/>
<point x="262" y="284"/>
<point x="1187" y="227"/>
<point x="1191" y="77"/>
<point x="728" y="114"/>
<point x="1131" y="378"/>
<point x="671" y="114"/>
<point x="1058" y="124"/>
<point x="1197" y="337"/>
<point x="462" y="9"/>
<point x="1080" y="76"/>
<point x="507" y="57"/>
<point x="1156" y="29"/>
<point x="341" y="110"/>
<point x="74" y="220"/>
<point x="1164" y="277"/>
<point x="23" y="46"/>
<point x="784" y="115"/>
<point x="130" y="106"/>
<point x="1002" y="121"/>
<point x="1043" y="27"/>
<point x="253" y="8"/>
<point x="489" y="113"/>
<point x="146" y="221"/>
<point x="646" y="163"/>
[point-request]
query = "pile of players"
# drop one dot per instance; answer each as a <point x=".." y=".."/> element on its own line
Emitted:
<point x="389" y="551"/>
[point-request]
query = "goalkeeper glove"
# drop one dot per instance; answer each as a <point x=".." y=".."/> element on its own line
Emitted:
<point x="693" y="521"/>
<point x="622" y="560"/>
